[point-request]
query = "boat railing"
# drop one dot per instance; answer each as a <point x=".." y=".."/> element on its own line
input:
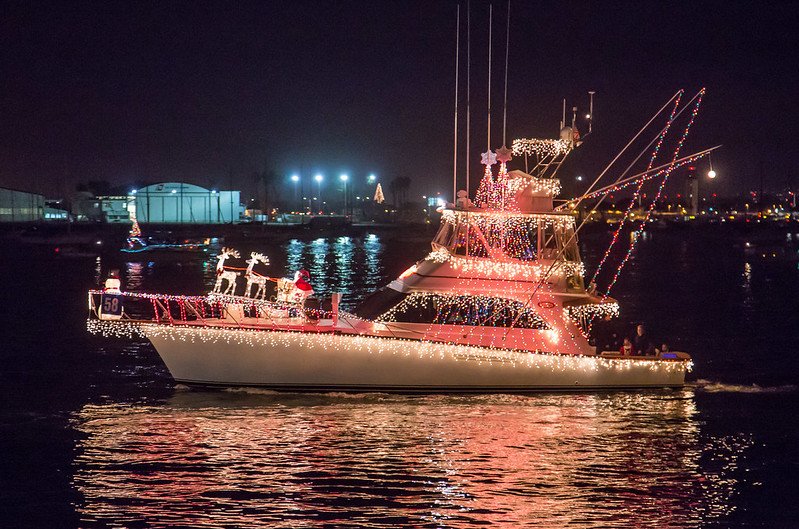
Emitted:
<point x="206" y="310"/>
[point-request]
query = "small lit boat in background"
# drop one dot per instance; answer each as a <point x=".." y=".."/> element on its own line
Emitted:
<point x="136" y="243"/>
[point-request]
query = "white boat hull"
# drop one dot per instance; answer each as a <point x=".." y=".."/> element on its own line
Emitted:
<point x="311" y="361"/>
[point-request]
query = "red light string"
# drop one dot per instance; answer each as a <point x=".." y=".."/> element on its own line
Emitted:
<point x="637" y="192"/>
<point x="651" y="208"/>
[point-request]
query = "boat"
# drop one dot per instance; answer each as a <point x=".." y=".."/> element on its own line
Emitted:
<point x="136" y="243"/>
<point x="498" y="305"/>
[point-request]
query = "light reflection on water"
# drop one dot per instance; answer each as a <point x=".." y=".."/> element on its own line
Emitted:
<point x="238" y="458"/>
<point x="351" y="265"/>
<point x="338" y="264"/>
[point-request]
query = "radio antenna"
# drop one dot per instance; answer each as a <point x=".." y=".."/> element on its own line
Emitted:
<point x="468" y="91"/>
<point x="505" y="108"/>
<point x="490" y="16"/>
<point x="455" y="146"/>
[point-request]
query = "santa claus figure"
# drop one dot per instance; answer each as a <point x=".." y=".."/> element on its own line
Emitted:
<point x="302" y="285"/>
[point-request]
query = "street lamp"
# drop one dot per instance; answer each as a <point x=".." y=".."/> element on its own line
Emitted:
<point x="345" y="178"/>
<point x="371" y="178"/>
<point x="318" y="177"/>
<point x="296" y="179"/>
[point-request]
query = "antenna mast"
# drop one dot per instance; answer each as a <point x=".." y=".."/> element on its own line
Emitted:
<point x="455" y="147"/>
<point x="505" y="108"/>
<point x="490" y="16"/>
<point x="468" y="90"/>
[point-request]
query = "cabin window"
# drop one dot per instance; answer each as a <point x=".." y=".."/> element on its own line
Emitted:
<point x="478" y="311"/>
<point x="445" y="236"/>
<point x="379" y="302"/>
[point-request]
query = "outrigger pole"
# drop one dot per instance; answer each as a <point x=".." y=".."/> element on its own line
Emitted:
<point x="644" y="175"/>
<point x="629" y="143"/>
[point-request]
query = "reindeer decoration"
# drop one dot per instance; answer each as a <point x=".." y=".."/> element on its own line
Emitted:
<point x="226" y="275"/>
<point x="254" y="278"/>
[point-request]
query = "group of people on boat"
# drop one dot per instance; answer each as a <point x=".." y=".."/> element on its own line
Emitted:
<point x="606" y="337"/>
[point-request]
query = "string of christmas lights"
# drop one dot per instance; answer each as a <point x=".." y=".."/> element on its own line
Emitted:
<point x="373" y="345"/>
<point x="486" y="189"/>
<point x="643" y="222"/>
<point x="548" y="186"/>
<point x="513" y="270"/>
<point x="540" y="147"/>
<point x="460" y="309"/>
<point x="637" y="192"/>
<point x="216" y="303"/>
<point x="661" y="172"/>
<point x="530" y="220"/>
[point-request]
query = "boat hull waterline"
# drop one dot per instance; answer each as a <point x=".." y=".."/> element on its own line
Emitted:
<point x="301" y="361"/>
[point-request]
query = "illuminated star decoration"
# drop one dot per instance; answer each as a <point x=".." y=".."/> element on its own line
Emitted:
<point x="485" y="191"/>
<point x="503" y="155"/>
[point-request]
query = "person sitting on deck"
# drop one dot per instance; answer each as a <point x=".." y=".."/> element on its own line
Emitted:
<point x="626" y="348"/>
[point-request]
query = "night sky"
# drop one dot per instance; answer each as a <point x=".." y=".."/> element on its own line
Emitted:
<point x="208" y="93"/>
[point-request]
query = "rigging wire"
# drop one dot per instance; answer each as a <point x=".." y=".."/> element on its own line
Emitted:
<point x="651" y="208"/>
<point x="647" y="175"/>
<point x="637" y="192"/>
<point x="615" y="159"/>
<point x="546" y="275"/>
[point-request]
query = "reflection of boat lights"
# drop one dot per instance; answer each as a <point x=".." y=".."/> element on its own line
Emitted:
<point x="486" y="463"/>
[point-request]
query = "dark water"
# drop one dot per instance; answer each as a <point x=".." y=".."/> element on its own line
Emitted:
<point x="93" y="433"/>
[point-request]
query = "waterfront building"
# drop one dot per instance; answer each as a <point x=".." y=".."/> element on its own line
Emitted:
<point x="20" y="206"/>
<point x="181" y="203"/>
<point x="115" y="209"/>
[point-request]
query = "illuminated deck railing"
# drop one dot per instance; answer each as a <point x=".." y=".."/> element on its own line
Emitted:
<point x="208" y="310"/>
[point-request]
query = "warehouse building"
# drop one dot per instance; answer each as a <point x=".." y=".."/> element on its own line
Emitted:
<point x="20" y="206"/>
<point x="179" y="203"/>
